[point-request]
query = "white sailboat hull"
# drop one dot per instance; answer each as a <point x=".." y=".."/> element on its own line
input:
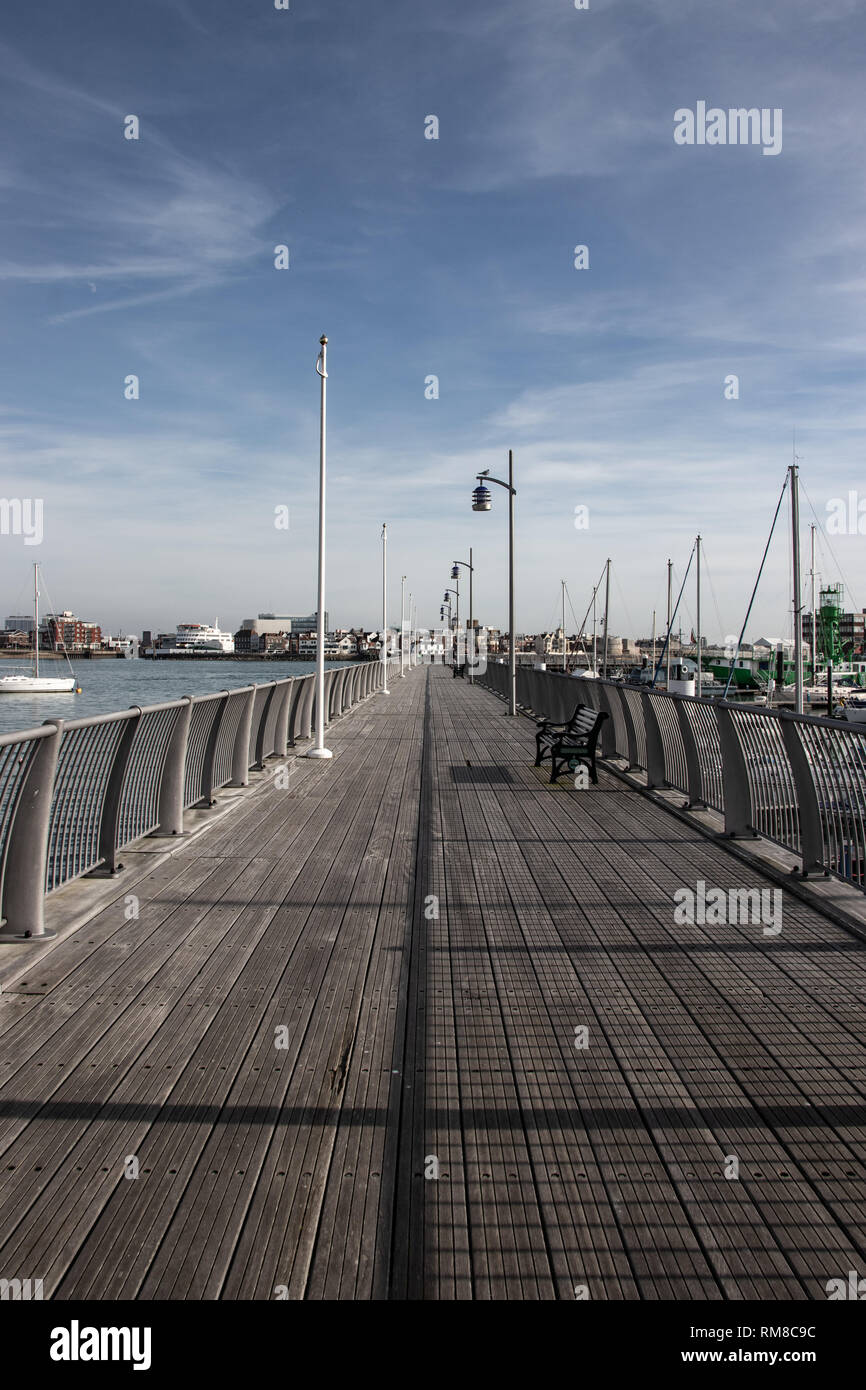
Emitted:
<point x="33" y="685"/>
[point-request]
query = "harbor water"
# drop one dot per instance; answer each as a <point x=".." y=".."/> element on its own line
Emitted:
<point x="112" y="685"/>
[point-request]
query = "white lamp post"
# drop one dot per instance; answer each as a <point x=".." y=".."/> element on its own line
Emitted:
<point x="319" y="750"/>
<point x="402" y="622"/>
<point x="384" y="644"/>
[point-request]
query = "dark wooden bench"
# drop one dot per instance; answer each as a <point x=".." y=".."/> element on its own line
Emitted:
<point x="549" y="733"/>
<point x="577" y="742"/>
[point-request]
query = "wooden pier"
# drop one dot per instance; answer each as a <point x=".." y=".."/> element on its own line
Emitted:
<point x="417" y="1025"/>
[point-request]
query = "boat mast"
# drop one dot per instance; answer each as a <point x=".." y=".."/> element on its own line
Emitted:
<point x="698" y="634"/>
<point x="606" y="609"/>
<point x="668" y="629"/>
<point x="565" y="658"/>
<point x="798" y="607"/>
<point x="812" y="573"/>
<point x="36" y="616"/>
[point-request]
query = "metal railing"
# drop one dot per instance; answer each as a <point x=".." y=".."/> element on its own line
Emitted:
<point x="73" y="793"/>
<point x="796" y="779"/>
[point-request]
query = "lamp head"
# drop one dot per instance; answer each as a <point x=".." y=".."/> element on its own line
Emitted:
<point x="481" y="498"/>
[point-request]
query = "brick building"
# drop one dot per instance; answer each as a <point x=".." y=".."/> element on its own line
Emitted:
<point x="64" y="632"/>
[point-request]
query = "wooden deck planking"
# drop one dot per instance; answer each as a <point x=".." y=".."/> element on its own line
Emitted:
<point x="446" y="1034"/>
<point x="615" y="891"/>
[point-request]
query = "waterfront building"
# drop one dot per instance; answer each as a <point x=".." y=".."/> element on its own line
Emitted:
<point x="334" y="650"/>
<point x="16" y="641"/>
<point x="284" y="622"/>
<point x="63" y="632"/>
<point x="257" y="634"/>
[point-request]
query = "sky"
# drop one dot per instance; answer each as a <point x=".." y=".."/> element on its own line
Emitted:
<point x="451" y="258"/>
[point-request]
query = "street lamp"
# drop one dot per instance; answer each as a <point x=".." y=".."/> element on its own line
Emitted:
<point x="319" y="750"/>
<point x="402" y="621"/>
<point x="454" y="573"/>
<point x="412" y="616"/>
<point x="446" y="602"/>
<point x="456" y="593"/>
<point x="481" y="503"/>
<point x="455" y="621"/>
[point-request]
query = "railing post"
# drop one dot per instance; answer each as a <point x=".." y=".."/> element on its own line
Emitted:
<point x="337" y="703"/>
<point x="629" y="732"/>
<point x="735" y="780"/>
<point x="107" y="850"/>
<point x="655" y="753"/>
<point x="171" y="785"/>
<point x="207" y="795"/>
<point x="356" y="685"/>
<point x="811" y="833"/>
<point x="329" y="696"/>
<point x="241" y="750"/>
<point x="296" y="699"/>
<point x="608" y="729"/>
<point x="304" y="710"/>
<point x="262" y="729"/>
<point x="26" y="857"/>
<point x="696" y="799"/>
<point x="281" y="727"/>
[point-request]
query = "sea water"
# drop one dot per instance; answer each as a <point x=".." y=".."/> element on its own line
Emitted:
<point x="108" y="684"/>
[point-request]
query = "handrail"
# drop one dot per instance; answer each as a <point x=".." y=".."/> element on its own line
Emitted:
<point x="796" y="779"/>
<point x="74" y="793"/>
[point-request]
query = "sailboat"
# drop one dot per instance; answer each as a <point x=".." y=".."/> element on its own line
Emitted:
<point x="35" y="684"/>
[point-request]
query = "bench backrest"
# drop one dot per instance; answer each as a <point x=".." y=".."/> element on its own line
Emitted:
<point x="585" y="721"/>
<point x="585" y="726"/>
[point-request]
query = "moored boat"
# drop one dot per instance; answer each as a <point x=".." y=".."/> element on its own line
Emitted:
<point x="31" y="683"/>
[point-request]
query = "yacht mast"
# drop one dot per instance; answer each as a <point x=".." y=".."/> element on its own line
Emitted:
<point x="606" y="610"/>
<point x="798" y="605"/>
<point x="565" y="658"/>
<point x="698" y="633"/>
<point x="812" y="573"/>
<point x="668" y="629"/>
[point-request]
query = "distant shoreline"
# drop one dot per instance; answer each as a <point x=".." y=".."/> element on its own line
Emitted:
<point x="243" y="656"/>
<point x="26" y="654"/>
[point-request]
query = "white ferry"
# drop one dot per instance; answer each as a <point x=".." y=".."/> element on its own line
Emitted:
<point x="199" y="637"/>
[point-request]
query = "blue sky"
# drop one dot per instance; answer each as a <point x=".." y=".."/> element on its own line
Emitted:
<point x="451" y="257"/>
